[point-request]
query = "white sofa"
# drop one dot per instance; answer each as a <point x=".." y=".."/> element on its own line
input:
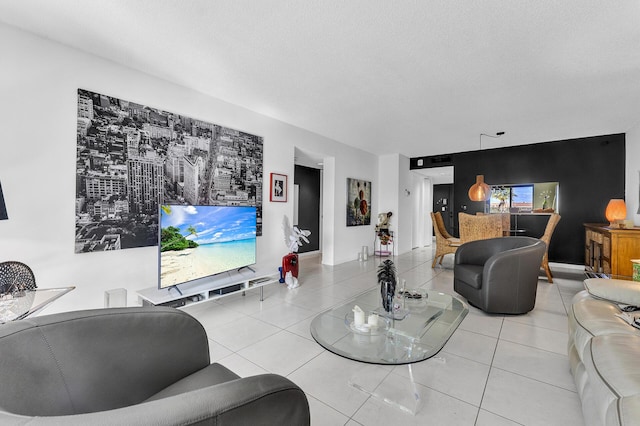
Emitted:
<point x="604" y="352"/>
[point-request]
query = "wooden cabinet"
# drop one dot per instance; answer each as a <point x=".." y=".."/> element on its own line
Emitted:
<point x="610" y="250"/>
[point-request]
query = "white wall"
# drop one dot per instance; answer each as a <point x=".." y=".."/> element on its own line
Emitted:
<point x="405" y="205"/>
<point x="422" y="199"/>
<point x="38" y="106"/>
<point x="632" y="167"/>
<point x="395" y="180"/>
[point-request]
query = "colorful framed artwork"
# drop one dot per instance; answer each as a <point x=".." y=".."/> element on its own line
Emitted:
<point x="358" y="202"/>
<point x="278" y="188"/>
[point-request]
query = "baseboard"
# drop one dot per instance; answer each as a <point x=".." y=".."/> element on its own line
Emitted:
<point x="566" y="267"/>
<point x="316" y="253"/>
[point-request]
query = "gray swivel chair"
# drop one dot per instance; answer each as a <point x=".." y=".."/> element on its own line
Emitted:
<point x="499" y="275"/>
<point x="131" y="366"/>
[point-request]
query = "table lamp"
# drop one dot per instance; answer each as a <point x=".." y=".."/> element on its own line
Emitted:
<point x="616" y="212"/>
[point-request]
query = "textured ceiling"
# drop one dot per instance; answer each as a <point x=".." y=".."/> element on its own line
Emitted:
<point x="414" y="77"/>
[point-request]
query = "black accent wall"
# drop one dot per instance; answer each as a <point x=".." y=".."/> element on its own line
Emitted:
<point x="590" y="172"/>
<point x="308" y="181"/>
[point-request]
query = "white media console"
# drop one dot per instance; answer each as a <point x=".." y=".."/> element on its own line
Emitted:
<point x="210" y="288"/>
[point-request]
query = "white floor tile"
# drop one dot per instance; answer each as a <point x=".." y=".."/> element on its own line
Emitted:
<point x="486" y="418"/>
<point x="541" y="338"/>
<point x="540" y="317"/>
<point x="250" y="304"/>
<point x="537" y="364"/>
<point x="217" y="351"/>
<point x="315" y="302"/>
<point x="241" y="333"/>
<point x="450" y="374"/>
<point x="530" y="402"/>
<point x="436" y="408"/>
<point x="281" y="353"/>
<point x="481" y="323"/>
<point x="211" y="314"/>
<point x="326" y="378"/>
<point x="323" y="415"/>
<point x="242" y="366"/>
<point x="473" y="346"/>
<point x="284" y="315"/>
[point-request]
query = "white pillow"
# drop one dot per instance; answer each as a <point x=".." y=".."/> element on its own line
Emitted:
<point x="619" y="291"/>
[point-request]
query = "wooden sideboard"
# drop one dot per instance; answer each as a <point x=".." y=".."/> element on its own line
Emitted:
<point x="610" y="250"/>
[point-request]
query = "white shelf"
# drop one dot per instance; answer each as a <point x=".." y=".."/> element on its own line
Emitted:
<point x="210" y="288"/>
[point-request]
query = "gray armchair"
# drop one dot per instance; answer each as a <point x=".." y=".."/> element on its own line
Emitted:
<point x="499" y="275"/>
<point x="131" y="366"/>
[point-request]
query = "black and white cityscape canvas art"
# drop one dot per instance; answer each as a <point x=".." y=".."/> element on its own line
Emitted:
<point x="131" y="158"/>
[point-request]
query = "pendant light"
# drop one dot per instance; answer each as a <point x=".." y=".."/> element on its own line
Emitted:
<point x="480" y="191"/>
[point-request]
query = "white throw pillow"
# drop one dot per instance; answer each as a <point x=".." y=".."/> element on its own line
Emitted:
<point x="619" y="291"/>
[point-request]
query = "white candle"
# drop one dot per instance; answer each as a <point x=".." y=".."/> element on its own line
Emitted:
<point x="358" y="316"/>
<point x="372" y="320"/>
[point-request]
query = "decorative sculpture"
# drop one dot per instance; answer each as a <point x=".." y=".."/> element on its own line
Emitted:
<point x="293" y="239"/>
<point x="387" y="281"/>
<point x="382" y="228"/>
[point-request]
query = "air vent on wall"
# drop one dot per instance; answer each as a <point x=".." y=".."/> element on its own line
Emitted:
<point x="439" y="159"/>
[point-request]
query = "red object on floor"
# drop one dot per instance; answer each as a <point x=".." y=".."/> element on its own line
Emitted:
<point x="290" y="264"/>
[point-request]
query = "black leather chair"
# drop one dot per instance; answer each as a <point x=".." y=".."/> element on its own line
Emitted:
<point x="499" y="275"/>
<point x="131" y="366"/>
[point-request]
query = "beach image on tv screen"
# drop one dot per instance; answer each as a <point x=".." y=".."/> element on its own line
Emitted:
<point x="199" y="241"/>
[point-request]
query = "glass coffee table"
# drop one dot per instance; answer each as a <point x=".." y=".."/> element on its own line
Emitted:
<point x="19" y="305"/>
<point x="421" y="324"/>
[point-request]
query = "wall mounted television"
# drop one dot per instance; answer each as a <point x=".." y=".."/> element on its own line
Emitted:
<point x="200" y="241"/>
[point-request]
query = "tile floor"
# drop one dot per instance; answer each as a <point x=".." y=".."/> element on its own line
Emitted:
<point x="495" y="370"/>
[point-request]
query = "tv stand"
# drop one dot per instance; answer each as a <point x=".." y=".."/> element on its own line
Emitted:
<point x="210" y="288"/>
<point x="176" y="288"/>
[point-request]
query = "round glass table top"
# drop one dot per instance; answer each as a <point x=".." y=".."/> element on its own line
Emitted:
<point x="418" y="327"/>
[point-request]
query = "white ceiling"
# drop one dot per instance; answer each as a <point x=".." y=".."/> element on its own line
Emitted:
<point x="417" y="77"/>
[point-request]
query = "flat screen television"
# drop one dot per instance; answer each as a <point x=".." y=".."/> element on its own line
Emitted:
<point x="200" y="241"/>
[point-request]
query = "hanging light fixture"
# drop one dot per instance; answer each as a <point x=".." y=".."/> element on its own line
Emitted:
<point x="480" y="191"/>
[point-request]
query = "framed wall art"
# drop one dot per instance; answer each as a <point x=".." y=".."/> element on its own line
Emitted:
<point x="358" y="202"/>
<point x="278" y="188"/>
<point x="131" y="158"/>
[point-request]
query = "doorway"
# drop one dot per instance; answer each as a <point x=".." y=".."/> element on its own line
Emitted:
<point x="431" y="201"/>
<point x="307" y="205"/>
<point x="442" y="202"/>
